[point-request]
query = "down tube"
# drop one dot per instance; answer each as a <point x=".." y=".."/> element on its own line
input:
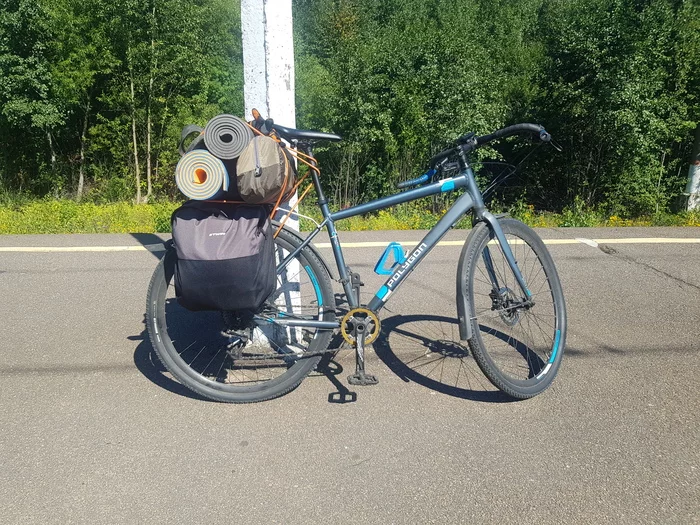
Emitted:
<point x="459" y="208"/>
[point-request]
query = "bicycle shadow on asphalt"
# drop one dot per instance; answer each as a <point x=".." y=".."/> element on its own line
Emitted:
<point x="152" y="242"/>
<point x="148" y="363"/>
<point x="426" y="350"/>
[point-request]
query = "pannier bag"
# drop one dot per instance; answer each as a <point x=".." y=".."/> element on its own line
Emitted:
<point x="225" y="256"/>
<point x="264" y="172"/>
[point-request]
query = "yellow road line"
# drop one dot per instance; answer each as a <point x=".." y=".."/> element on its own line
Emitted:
<point x="366" y="244"/>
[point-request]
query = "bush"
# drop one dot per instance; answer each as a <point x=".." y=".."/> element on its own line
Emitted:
<point x="66" y="216"/>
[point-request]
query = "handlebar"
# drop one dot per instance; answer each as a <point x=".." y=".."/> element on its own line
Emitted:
<point x="470" y="141"/>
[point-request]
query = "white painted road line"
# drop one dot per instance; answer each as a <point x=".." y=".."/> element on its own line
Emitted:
<point x="369" y="244"/>
<point x="589" y="242"/>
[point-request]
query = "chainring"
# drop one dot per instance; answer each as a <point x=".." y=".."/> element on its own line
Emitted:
<point x="363" y="315"/>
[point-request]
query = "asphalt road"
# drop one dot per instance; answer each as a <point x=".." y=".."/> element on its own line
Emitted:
<point x="93" y="431"/>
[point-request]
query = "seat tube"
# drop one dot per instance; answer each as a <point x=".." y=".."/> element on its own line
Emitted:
<point x="345" y="279"/>
<point x="332" y="234"/>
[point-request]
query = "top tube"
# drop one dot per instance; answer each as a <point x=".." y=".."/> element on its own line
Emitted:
<point x="441" y="186"/>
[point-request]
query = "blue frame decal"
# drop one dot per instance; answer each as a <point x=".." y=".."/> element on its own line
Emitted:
<point x="448" y="185"/>
<point x="383" y="291"/>
<point x="316" y="286"/>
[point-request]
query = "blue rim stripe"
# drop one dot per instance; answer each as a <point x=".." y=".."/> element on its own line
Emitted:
<point x="555" y="347"/>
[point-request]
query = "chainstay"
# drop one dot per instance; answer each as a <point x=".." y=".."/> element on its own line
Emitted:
<point x="278" y="356"/>
<point x="282" y="357"/>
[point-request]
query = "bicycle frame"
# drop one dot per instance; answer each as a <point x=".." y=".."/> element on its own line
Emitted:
<point x="471" y="199"/>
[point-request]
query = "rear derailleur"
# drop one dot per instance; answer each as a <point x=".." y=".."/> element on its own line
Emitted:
<point x="238" y="326"/>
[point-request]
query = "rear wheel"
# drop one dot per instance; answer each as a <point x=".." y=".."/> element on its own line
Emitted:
<point x="235" y="356"/>
<point x="517" y="341"/>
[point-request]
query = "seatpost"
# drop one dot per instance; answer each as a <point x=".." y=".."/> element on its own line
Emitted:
<point x="314" y="176"/>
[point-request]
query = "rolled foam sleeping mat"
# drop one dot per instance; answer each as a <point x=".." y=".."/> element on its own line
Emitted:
<point x="201" y="176"/>
<point x="226" y="136"/>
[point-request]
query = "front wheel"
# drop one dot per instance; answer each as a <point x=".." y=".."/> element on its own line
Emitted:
<point x="517" y="341"/>
<point x="236" y="357"/>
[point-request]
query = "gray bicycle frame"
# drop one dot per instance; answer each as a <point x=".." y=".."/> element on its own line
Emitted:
<point x="471" y="199"/>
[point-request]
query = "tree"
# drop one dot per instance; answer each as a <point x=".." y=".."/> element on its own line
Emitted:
<point x="30" y="112"/>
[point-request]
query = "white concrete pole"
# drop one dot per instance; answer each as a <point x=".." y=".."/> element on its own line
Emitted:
<point x="268" y="65"/>
<point x="279" y="56"/>
<point x="254" y="62"/>
<point x="268" y="59"/>
<point x="268" y="76"/>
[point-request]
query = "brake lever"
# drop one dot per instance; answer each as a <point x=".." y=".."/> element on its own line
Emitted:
<point x="556" y="145"/>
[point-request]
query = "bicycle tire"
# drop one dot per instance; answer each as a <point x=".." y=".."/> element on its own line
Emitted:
<point x="175" y="333"/>
<point x="519" y="349"/>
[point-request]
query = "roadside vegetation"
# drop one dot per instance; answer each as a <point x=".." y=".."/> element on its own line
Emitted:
<point x="68" y="216"/>
<point x="94" y="93"/>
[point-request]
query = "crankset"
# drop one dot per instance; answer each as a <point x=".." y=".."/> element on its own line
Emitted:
<point x="359" y="327"/>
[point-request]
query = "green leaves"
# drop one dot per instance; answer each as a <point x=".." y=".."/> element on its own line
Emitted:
<point x="66" y="70"/>
<point x="615" y="81"/>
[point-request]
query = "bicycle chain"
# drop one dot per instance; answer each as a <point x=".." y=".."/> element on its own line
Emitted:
<point x="282" y="356"/>
<point x="304" y="355"/>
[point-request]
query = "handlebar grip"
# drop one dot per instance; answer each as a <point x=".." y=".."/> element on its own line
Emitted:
<point x="510" y="130"/>
<point x="414" y="182"/>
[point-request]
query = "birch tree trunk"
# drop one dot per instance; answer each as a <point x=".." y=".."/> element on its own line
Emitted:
<point x="83" y="137"/>
<point x="149" y="187"/>
<point x="137" y="168"/>
<point x="152" y="73"/>
<point x="693" y="188"/>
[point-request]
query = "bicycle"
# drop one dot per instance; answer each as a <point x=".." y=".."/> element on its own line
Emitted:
<point x="510" y="305"/>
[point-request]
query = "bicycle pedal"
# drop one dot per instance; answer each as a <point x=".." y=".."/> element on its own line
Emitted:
<point x="362" y="379"/>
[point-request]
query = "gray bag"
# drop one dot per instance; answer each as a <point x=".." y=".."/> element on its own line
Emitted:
<point x="265" y="171"/>
<point x="225" y="256"/>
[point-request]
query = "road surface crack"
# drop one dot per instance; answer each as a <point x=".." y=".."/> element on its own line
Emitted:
<point x="609" y="250"/>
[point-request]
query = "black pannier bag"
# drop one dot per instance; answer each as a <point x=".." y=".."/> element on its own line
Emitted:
<point x="225" y="256"/>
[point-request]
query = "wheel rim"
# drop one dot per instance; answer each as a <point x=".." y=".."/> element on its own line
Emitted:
<point x="205" y="346"/>
<point x="520" y="339"/>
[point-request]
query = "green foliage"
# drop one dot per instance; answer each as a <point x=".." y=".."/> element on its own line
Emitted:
<point x="79" y="77"/>
<point x="92" y="92"/>
<point x="614" y="80"/>
<point x="26" y="216"/>
<point x="620" y="90"/>
<point x="67" y="216"/>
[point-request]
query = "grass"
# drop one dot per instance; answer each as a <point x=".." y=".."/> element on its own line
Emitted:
<point x="67" y="216"/>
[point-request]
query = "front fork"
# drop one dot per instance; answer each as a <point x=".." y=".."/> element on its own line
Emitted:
<point x="497" y="231"/>
<point x="463" y="311"/>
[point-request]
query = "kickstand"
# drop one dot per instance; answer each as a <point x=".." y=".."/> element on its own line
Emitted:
<point x="360" y="378"/>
